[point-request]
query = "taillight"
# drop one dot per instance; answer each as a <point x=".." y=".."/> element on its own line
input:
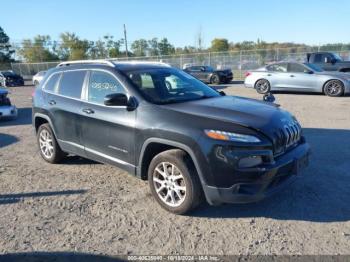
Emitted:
<point x="247" y="74"/>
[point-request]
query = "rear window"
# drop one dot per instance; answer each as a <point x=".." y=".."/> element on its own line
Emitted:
<point x="52" y="82"/>
<point x="71" y="83"/>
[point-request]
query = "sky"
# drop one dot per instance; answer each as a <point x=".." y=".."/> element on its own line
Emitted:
<point x="309" y="21"/>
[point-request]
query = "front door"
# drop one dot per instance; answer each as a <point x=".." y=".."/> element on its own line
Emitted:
<point x="300" y="79"/>
<point x="108" y="132"/>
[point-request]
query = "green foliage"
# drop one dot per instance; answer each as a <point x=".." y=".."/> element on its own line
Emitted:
<point x="106" y="48"/>
<point x="6" y="50"/>
<point x="219" y="45"/>
<point x="37" y="50"/>
<point x="73" y="48"/>
<point x="165" y="48"/>
<point x="139" y="47"/>
<point x="153" y="47"/>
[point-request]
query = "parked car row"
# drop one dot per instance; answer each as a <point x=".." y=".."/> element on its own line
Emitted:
<point x="303" y="77"/>
<point x="10" y="78"/>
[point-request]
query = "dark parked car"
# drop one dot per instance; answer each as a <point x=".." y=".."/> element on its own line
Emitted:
<point x="189" y="141"/>
<point x="207" y="74"/>
<point x="328" y="61"/>
<point x="10" y="78"/>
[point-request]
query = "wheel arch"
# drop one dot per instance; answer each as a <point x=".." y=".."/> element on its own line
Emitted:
<point x="40" y="119"/>
<point x="154" y="146"/>
<point x="344" y="69"/>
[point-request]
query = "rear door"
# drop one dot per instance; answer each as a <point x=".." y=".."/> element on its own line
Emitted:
<point x="108" y="131"/>
<point x="64" y="102"/>
<point x="277" y="75"/>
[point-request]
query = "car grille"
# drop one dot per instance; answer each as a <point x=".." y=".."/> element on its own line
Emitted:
<point x="286" y="137"/>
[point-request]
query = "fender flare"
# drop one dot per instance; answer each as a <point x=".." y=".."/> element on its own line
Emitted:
<point x="37" y="115"/>
<point x="179" y="145"/>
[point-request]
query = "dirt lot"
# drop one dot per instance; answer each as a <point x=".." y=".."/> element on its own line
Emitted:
<point x="84" y="206"/>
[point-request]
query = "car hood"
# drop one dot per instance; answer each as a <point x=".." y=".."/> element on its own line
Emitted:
<point x="334" y="74"/>
<point x="258" y="115"/>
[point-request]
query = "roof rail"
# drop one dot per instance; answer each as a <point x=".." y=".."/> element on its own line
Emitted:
<point x="105" y="62"/>
<point x="135" y="62"/>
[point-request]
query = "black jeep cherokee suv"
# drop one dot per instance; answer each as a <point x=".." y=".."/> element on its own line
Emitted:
<point x="163" y="125"/>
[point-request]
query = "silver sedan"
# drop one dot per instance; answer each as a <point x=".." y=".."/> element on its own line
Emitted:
<point x="298" y="77"/>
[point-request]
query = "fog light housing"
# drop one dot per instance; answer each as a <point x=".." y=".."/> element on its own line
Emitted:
<point x="250" y="161"/>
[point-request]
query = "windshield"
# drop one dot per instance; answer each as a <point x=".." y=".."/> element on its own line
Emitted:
<point x="169" y="85"/>
<point x="314" y="67"/>
<point x="8" y="73"/>
<point x="337" y="57"/>
<point x="209" y="69"/>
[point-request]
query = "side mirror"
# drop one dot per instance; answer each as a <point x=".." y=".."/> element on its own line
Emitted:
<point x="202" y="69"/>
<point x="309" y="72"/>
<point x="222" y="93"/>
<point x="269" y="97"/>
<point x="116" y="99"/>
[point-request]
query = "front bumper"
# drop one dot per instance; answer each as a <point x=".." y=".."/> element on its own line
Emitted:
<point x="271" y="178"/>
<point x="14" y="83"/>
<point x="8" y="112"/>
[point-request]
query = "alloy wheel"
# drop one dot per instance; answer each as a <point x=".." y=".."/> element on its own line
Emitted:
<point x="333" y="88"/>
<point x="169" y="184"/>
<point x="46" y="143"/>
<point x="262" y="86"/>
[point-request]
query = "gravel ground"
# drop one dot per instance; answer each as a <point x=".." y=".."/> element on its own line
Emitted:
<point x="83" y="206"/>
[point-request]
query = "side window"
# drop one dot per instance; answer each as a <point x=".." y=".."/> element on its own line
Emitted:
<point x="282" y="67"/>
<point x="297" y="68"/>
<point x="102" y="84"/>
<point x="52" y="82"/>
<point x="71" y="83"/>
<point x="195" y="69"/>
<point x="318" y="58"/>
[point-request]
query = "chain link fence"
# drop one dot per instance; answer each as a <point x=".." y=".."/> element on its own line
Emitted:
<point x="238" y="61"/>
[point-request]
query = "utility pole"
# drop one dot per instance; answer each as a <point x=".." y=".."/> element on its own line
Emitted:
<point x="126" y="43"/>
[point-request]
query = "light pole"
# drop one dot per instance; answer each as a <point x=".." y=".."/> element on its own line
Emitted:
<point x="126" y="42"/>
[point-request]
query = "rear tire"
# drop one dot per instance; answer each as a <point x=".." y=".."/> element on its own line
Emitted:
<point x="215" y="79"/>
<point x="333" y="88"/>
<point x="262" y="86"/>
<point x="174" y="182"/>
<point x="48" y="146"/>
<point x="36" y="83"/>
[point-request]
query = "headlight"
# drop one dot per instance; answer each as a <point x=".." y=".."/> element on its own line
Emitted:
<point x="229" y="136"/>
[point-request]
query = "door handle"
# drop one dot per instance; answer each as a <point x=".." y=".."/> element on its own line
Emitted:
<point x="88" y="111"/>
<point x="292" y="75"/>
<point x="52" y="102"/>
<point x="269" y="75"/>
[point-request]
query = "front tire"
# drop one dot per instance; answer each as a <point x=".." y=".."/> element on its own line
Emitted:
<point x="333" y="88"/>
<point x="174" y="182"/>
<point x="262" y="86"/>
<point x="48" y="146"/>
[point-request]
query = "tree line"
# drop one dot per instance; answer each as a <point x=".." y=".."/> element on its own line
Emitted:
<point x="70" y="46"/>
